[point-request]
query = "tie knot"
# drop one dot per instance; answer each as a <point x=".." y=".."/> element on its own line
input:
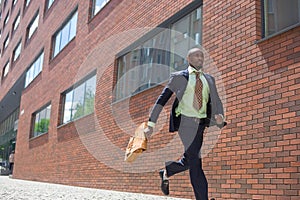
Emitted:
<point x="197" y="73"/>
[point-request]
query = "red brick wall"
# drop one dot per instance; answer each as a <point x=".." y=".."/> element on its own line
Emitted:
<point x="74" y="153"/>
<point x="257" y="154"/>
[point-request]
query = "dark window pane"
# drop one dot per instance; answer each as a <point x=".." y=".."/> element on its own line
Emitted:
<point x="280" y="15"/>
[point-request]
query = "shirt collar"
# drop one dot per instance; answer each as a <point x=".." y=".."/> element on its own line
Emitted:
<point x="192" y="70"/>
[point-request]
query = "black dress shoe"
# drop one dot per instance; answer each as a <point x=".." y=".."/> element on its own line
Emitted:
<point x="164" y="183"/>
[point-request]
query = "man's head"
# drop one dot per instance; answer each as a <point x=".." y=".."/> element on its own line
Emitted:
<point x="195" y="57"/>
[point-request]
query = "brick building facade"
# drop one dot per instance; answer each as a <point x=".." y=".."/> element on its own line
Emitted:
<point x="77" y="77"/>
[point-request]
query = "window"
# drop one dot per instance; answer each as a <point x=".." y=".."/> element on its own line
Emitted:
<point x="98" y="5"/>
<point x="65" y="34"/>
<point x="8" y="124"/>
<point x="14" y="3"/>
<point x="79" y="101"/>
<point x="35" y="69"/>
<point x="5" y="69"/>
<point x="17" y="51"/>
<point x="280" y="15"/>
<point x="49" y="3"/>
<point x="6" y="20"/>
<point x="16" y="22"/>
<point x="27" y="2"/>
<point x="33" y="26"/>
<point x="151" y="62"/>
<point x="40" y="121"/>
<point x="6" y="41"/>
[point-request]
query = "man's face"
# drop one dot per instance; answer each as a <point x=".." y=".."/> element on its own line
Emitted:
<point x="196" y="58"/>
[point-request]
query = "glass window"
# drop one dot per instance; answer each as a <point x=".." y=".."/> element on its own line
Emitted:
<point x="98" y="5"/>
<point x="41" y="120"/>
<point x="8" y="124"/>
<point x="16" y="22"/>
<point x="152" y="61"/>
<point x="27" y="3"/>
<point x="79" y="101"/>
<point x="49" y="3"/>
<point x="6" y="69"/>
<point x="6" y="42"/>
<point x="34" y="70"/>
<point x="68" y="107"/>
<point x="14" y="2"/>
<point x="17" y="51"/>
<point x="6" y="20"/>
<point x="33" y="26"/>
<point x="279" y="15"/>
<point x="90" y="90"/>
<point x="65" y="34"/>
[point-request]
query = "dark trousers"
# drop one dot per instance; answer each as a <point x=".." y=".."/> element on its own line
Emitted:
<point x="11" y="168"/>
<point x="191" y="135"/>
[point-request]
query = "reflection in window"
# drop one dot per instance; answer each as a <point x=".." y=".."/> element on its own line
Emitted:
<point x="49" y="3"/>
<point x="152" y="61"/>
<point x="16" y="22"/>
<point x="65" y="34"/>
<point x="6" y="69"/>
<point x="41" y="120"/>
<point x="14" y="2"/>
<point x="186" y="33"/>
<point x="34" y="70"/>
<point x="6" y="42"/>
<point x="98" y="5"/>
<point x="79" y="101"/>
<point x="279" y="14"/>
<point x="6" y="20"/>
<point x="27" y="3"/>
<point x="33" y="26"/>
<point x="17" y="51"/>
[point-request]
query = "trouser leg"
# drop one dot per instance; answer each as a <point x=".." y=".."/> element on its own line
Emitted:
<point x="192" y="139"/>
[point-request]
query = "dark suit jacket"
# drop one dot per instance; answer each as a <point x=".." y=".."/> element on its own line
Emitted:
<point x="177" y="84"/>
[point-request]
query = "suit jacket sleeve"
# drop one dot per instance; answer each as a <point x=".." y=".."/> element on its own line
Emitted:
<point x="162" y="99"/>
<point x="218" y="105"/>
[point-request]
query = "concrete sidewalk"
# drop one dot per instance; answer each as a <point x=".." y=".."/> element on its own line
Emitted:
<point x="15" y="189"/>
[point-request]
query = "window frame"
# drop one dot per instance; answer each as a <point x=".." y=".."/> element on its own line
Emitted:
<point x="14" y="2"/>
<point x="5" y="70"/>
<point x="31" y="23"/>
<point x="6" y="42"/>
<point x="33" y="121"/>
<point x="93" y="7"/>
<point x="6" y="19"/>
<point x="33" y="65"/>
<point x="48" y="6"/>
<point x="82" y="82"/>
<point x="188" y="11"/>
<point x="14" y="58"/>
<point x="27" y="3"/>
<point x="59" y="31"/>
<point x="265" y="35"/>
<point x="14" y="27"/>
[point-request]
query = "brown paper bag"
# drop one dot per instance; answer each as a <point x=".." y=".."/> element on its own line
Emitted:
<point x="137" y="144"/>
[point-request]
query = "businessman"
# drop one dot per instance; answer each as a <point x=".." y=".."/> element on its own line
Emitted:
<point x="197" y="105"/>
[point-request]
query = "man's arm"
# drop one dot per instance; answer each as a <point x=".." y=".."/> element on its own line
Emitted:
<point x="217" y="104"/>
<point x="158" y="106"/>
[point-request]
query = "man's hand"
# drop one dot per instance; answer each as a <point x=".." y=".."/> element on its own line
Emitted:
<point x="148" y="132"/>
<point x="219" y="119"/>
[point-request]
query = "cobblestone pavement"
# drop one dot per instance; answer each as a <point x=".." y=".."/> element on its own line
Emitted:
<point x="15" y="189"/>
